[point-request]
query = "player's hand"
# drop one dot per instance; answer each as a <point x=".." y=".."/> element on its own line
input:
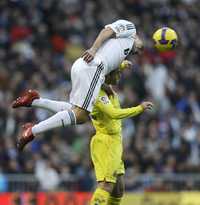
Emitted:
<point x="88" y="55"/>
<point x="126" y="65"/>
<point x="147" y="105"/>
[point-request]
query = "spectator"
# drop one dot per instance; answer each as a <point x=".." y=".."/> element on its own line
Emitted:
<point x="39" y="41"/>
<point x="47" y="176"/>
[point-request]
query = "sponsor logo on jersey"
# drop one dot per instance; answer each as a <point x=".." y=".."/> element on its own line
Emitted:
<point x="104" y="99"/>
<point x="120" y="28"/>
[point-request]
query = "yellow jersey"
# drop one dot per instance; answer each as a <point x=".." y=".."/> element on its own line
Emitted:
<point x="107" y="114"/>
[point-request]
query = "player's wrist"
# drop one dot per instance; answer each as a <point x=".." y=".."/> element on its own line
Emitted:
<point x="93" y="49"/>
<point x="142" y="107"/>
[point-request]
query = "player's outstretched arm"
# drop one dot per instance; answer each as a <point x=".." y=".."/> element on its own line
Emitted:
<point x="104" y="35"/>
<point x="107" y="108"/>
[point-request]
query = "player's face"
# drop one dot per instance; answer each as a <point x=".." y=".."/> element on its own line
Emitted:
<point x="114" y="77"/>
<point x="137" y="46"/>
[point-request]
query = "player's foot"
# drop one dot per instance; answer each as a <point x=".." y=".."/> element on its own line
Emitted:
<point x="26" y="99"/>
<point x="25" y="137"/>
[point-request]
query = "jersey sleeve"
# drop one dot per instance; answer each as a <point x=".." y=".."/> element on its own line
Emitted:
<point x="123" y="28"/>
<point x="104" y="105"/>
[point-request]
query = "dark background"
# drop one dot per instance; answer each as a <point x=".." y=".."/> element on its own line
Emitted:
<point x="39" y="40"/>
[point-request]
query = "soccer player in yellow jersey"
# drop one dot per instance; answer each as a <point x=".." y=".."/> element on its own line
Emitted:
<point x="106" y="144"/>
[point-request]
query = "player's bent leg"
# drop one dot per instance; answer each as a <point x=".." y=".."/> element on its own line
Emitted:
<point x="82" y="115"/>
<point x="117" y="192"/>
<point x="51" y="105"/>
<point x="107" y="186"/>
<point x="60" y="119"/>
<point x="31" y="98"/>
<point x="102" y="193"/>
<point x="64" y="118"/>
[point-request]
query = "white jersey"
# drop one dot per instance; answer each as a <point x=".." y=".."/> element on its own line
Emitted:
<point x="114" y="50"/>
<point x="87" y="78"/>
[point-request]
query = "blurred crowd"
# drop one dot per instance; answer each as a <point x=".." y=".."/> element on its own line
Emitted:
<point x="39" y="40"/>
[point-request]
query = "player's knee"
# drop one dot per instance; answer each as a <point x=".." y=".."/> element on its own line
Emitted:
<point x="107" y="186"/>
<point x="82" y="116"/>
<point x="118" y="190"/>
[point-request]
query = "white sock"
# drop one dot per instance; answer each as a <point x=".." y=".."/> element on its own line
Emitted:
<point x="51" y="105"/>
<point x="60" y="119"/>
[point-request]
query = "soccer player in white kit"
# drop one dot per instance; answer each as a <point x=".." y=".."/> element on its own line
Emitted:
<point x="88" y="72"/>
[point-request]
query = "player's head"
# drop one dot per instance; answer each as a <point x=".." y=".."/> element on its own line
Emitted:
<point x="138" y="45"/>
<point x="113" y="77"/>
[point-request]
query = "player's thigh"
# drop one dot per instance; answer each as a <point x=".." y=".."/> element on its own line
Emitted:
<point x="106" y="153"/>
<point x="116" y="165"/>
<point x="105" y="163"/>
<point x="99" y="154"/>
<point x="115" y="151"/>
<point x="86" y="83"/>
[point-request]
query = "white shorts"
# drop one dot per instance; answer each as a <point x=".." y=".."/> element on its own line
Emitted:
<point x="86" y="83"/>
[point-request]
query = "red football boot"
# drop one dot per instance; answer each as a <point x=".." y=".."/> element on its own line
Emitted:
<point x="26" y="99"/>
<point x="25" y="137"/>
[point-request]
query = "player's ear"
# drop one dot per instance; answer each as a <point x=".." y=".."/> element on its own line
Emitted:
<point x="138" y="42"/>
<point x="138" y="46"/>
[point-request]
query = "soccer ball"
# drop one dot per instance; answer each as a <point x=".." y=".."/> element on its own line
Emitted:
<point x="165" y="39"/>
